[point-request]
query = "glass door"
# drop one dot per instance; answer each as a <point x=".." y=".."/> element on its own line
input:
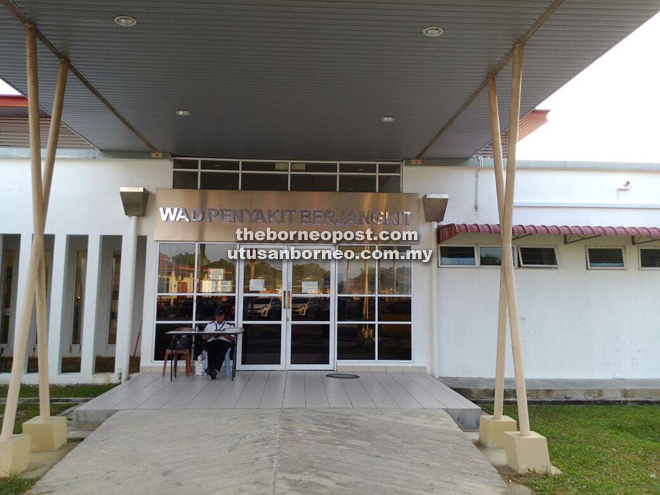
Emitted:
<point x="286" y="308"/>
<point x="261" y="313"/>
<point x="310" y="312"/>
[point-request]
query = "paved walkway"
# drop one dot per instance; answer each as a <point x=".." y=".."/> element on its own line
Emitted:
<point x="281" y="389"/>
<point x="307" y="451"/>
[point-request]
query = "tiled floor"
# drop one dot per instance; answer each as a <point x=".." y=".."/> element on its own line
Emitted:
<point x="286" y="389"/>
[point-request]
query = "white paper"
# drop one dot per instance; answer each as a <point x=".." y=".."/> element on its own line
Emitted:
<point x="216" y="273"/>
<point x="257" y="284"/>
<point x="310" y="287"/>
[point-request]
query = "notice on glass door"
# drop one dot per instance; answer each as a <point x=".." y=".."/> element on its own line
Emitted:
<point x="310" y="287"/>
<point x="257" y="284"/>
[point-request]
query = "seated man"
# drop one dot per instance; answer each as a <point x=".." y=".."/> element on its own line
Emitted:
<point x="217" y="347"/>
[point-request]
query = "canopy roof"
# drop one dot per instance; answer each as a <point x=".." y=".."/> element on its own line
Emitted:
<point x="446" y="232"/>
<point x="304" y="79"/>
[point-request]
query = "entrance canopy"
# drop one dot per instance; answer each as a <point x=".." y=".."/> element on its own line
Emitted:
<point x="572" y="233"/>
<point x="304" y="80"/>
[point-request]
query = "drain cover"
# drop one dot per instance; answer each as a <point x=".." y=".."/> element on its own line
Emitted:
<point x="343" y="376"/>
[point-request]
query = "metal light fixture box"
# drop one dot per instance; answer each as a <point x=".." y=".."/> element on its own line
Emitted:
<point x="435" y="206"/>
<point x="134" y="200"/>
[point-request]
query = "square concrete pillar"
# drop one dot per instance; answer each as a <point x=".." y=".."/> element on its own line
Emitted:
<point x="47" y="436"/>
<point x="491" y="430"/>
<point x="528" y="453"/>
<point x="14" y="455"/>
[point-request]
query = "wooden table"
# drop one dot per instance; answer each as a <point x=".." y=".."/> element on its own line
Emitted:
<point x="235" y="331"/>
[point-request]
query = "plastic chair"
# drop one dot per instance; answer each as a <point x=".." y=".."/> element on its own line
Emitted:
<point x="180" y="347"/>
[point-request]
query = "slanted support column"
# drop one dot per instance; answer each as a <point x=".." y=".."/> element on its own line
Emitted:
<point x="126" y="300"/>
<point x="525" y="450"/>
<point x="492" y="428"/>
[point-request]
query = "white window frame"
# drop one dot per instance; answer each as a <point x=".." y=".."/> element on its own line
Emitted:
<point x="623" y="257"/>
<point x="474" y="249"/>
<point x="523" y="265"/>
<point x="639" y="258"/>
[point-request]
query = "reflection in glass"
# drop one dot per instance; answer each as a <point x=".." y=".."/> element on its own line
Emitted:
<point x="176" y="268"/>
<point x="310" y="344"/>
<point x="222" y="182"/>
<point x="356" y="276"/>
<point x="79" y="296"/>
<point x="357" y="183"/>
<point x="356" y="308"/>
<point x="206" y="305"/>
<point x="389" y="183"/>
<point x="216" y="273"/>
<point x="310" y="309"/>
<point x="389" y="168"/>
<point x="650" y="258"/>
<point x="394" y="275"/>
<point x="394" y="308"/>
<point x="184" y="180"/>
<point x="357" y="168"/>
<point x="457" y="255"/>
<point x="311" y="277"/>
<point x="261" y="344"/>
<point x="262" y="308"/>
<point x="189" y="164"/>
<point x="219" y="165"/>
<point x="356" y="342"/>
<point x="490" y="256"/>
<point x="312" y="182"/>
<point x="394" y="343"/>
<point x="114" y="297"/>
<point x="174" y="308"/>
<point x="264" y="182"/>
<point x="262" y="276"/>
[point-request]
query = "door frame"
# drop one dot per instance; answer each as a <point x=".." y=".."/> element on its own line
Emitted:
<point x="286" y="317"/>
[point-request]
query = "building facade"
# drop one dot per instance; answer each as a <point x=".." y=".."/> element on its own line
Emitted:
<point x="588" y="305"/>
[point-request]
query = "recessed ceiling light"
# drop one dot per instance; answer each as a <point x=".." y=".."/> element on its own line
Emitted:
<point x="388" y="118"/>
<point x="126" y="20"/>
<point x="182" y="113"/>
<point x="433" y="31"/>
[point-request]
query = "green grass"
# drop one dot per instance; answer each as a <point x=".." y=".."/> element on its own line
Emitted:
<point x="15" y="485"/>
<point x="599" y="449"/>
<point x="57" y="391"/>
<point x="25" y="412"/>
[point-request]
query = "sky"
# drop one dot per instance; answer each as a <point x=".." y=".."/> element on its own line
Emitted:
<point x="608" y="112"/>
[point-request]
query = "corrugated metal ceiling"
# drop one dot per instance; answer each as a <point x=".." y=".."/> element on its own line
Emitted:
<point x="305" y="79"/>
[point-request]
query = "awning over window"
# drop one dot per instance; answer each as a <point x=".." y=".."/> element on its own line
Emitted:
<point x="571" y="233"/>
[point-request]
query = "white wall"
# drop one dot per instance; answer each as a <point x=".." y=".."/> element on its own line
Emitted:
<point x="576" y="323"/>
<point x="84" y="201"/>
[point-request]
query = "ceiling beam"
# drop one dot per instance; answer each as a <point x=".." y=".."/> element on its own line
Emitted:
<point x="493" y="72"/>
<point x="74" y="70"/>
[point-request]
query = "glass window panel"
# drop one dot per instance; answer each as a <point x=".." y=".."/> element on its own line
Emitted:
<point x="162" y="341"/>
<point x="176" y="268"/>
<point x="394" y="276"/>
<point x="184" y="180"/>
<point x="219" y="165"/>
<point x="388" y="168"/>
<point x="356" y="308"/>
<point x="216" y="272"/>
<point x="457" y="255"/>
<point x="188" y="164"/>
<point x="174" y="308"/>
<point x="314" y="167"/>
<point x="264" y="182"/>
<point x="650" y="258"/>
<point x="265" y="166"/>
<point x="6" y="295"/>
<point x="308" y="182"/>
<point x="534" y="256"/>
<point x="262" y="308"/>
<point x="605" y="257"/>
<point x="206" y="305"/>
<point x="490" y="256"/>
<point x="356" y="276"/>
<point x="310" y="277"/>
<point x="261" y="344"/>
<point x="356" y="342"/>
<point x="357" y="168"/>
<point x="310" y="344"/>
<point x="389" y="183"/>
<point x="114" y="297"/>
<point x="394" y="308"/>
<point x="219" y="181"/>
<point x="310" y="308"/>
<point x="357" y="183"/>
<point x="394" y="343"/>
<point x="264" y="276"/>
<point x="79" y="297"/>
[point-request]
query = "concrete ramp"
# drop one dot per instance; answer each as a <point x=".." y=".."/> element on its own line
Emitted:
<point x="275" y="451"/>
